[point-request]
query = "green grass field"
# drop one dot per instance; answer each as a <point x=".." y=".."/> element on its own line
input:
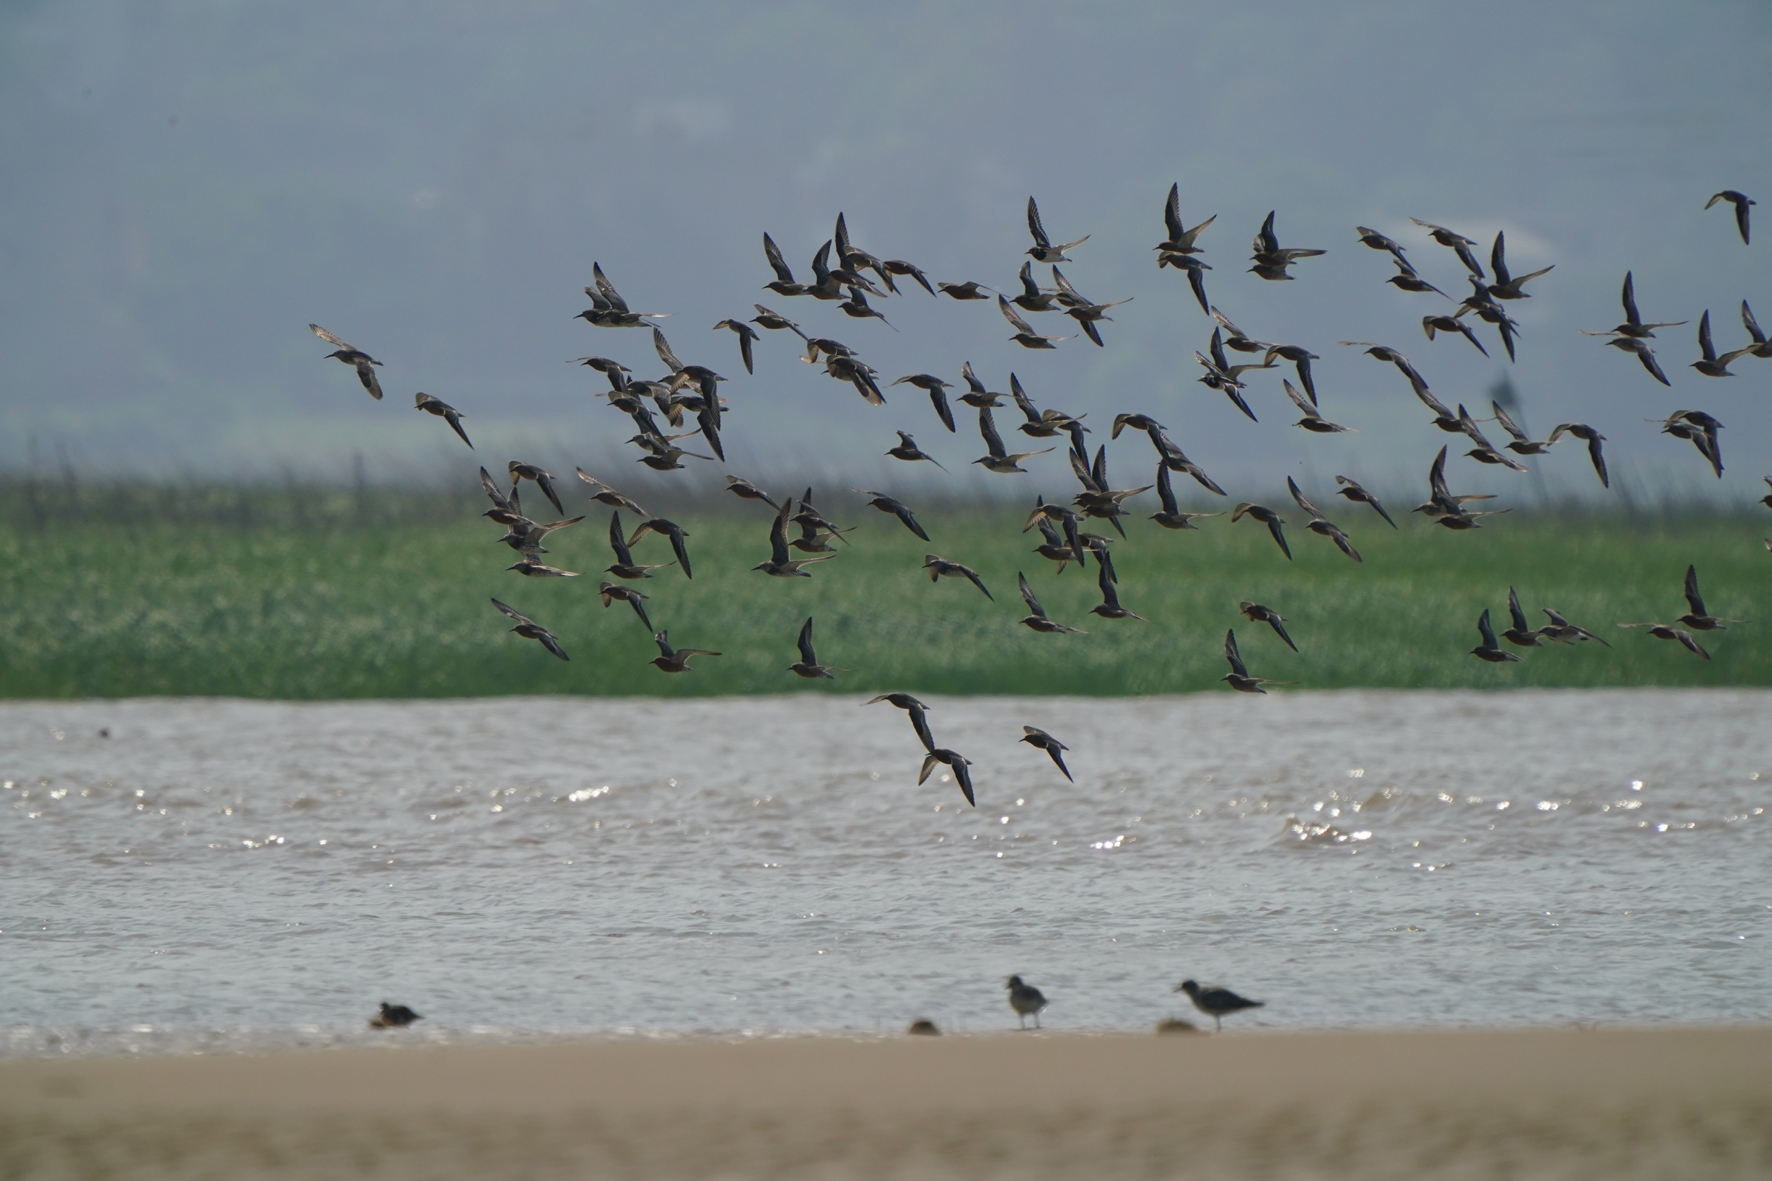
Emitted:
<point x="298" y="594"/>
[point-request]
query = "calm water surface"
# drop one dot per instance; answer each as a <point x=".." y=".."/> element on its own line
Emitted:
<point x="225" y="875"/>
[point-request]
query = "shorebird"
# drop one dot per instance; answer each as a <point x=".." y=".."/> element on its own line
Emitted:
<point x="1054" y="548"/>
<point x="1562" y="631"/>
<point x="1700" y="430"/>
<point x="808" y="666"/>
<point x="1447" y="509"/>
<point x="1359" y="495"/>
<point x="1710" y="364"/>
<point x="1025" y="336"/>
<point x="1456" y="241"/>
<point x="1760" y="347"/>
<point x="531" y="630"/>
<point x="1196" y="274"/>
<point x="444" y="411"/>
<point x="1696" y="617"/>
<point x="1235" y="338"/>
<point x="1633" y="325"/>
<point x="1040" y="740"/>
<point x="908" y="451"/>
<point x="531" y="567"/>
<point x="1175" y="461"/>
<point x="916" y="709"/>
<point x="775" y="321"/>
<point x="966" y="290"/>
<point x="1312" y="421"/>
<point x="1025" y="999"/>
<point x="1321" y="525"/>
<point x="745" y="490"/>
<point x="1037" y="619"/>
<point x="625" y="567"/>
<point x="1179" y="239"/>
<point x="1216" y="1003"/>
<point x="1386" y="353"/>
<point x="1109" y="607"/>
<point x="670" y="529"/>
<point x="1239" y="678"/>
<point x="675" y="660"/>
<point x="543" y="480"/>
<point x="1406" y="279"/>
<point x="937" y="395"/>
<point x="955" y="763"/>
<point x="976" y="396"/>
<point x="1083" y="310"/>
<point x="1521" y="444"/>
<point x="1643" y="353"/>
<point x="608" y="309"/>
<point x="1271" y="261"/>
<point x="746" y="335"/>
<point x="1519" y="632"/>
<point x="887" y="504"/>
<point x="609" y="592"/>
<point x="393" y="1016"/>
<point x="1043" y="250"/>
<point x="1507" y="286"/>
<point x="1172" y="517"/>
<point x="1662" y="631"/>
<point x="940" y="567"/>
<point x="1256" y="613"/>
<point x="1484" y="451"/>
<point x="898" y="266"/>
<point x="356" y="358"/>
<point x="1301" y="359"/>
<point x="1442" y="323"/>
<point x="1378" y="241"/>
<point x="1489" y="649"/>
<point x="1741" y="201"/>
<point x="999" y="458"/>
<point x="1268" y="517"/>
<point x="1033" y="297"/>
<point x="783" y="283"/>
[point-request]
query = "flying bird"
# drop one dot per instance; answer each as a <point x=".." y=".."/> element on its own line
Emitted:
<point x="1321" y="525"/>
<point x="609" y="592"/>
<point x="955" y="763"/>
<point x="1271" y="260"/>
<point x="1699" y="429"/>
<point x="967" y="290"/>
<point x="675" y="660"/>
<point x="625" y="568"/>
<point x="1352" y="491"/>
<point x="1562" y="631"/>
<point x="1662" y="631"/>
<point x="887" y="504"/>
<point x="1025" y="336"/>
<point x="1696" y="617"/>
<point x="1505" y="285"/>
<point x="1239" y="678"/>
<point x="1109" y="607"/>
<point x="531" y="630"/>
<point x="1256" y="613"/>
<point x="356" y="358"/>
<point x="940" y="567"/>
<point x="1581" y="430"/>
<point x="808" y="666"/>
<point x="1178" y="238"/>
<point x="937" y="394"/>
<point x="1268" y="517"/>
<point x="908" y="450"/>
<point x="669" y="529"/>
<point x="1490" y="650"/>
<point x="781" y="564"/>
<point x="1519" y="631"/>
<point x="1312" y="421"/>
<point x="917" y="711"/>
<point x="746" y="335"/>
<point x="1040" y="740"/>
<point x="1633" y="325"/>
<point x="1043" y="250"/>
<point x="1456" y="242"/>
<point x="543" y="480"/>
<point x="1037" y="619"/>
<point x="444" y="411"/>
<point x="608" y="309"/>
<point x="1710" y="364"/>
<point x="1741" y="201"/>
<point x="999" y="459"/>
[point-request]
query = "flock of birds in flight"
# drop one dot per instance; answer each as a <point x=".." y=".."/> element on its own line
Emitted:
<point x="686" y="391"/>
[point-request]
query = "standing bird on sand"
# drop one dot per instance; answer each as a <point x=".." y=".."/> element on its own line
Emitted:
<point x="1239" y="677"/>
<point x="1025" y="999"/>
<point x="1043" y="250"/>
<point x="531" y="630"/>
<point x="1038" y="738"/>
<point x="1741" y="201"/>
<point x="808" y="666"/>
<point x="444" y="411"/>
<point x="356" y="358"/>
<point x="1489" y="650"/>
<point x="1216" y="1003"/>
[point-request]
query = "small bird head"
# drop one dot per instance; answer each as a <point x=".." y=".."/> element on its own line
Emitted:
<point x="1013" y="982"/>
<point x="1187" y="986"/>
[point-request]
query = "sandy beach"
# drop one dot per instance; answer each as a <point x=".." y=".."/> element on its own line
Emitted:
<point x="1661" y="1103"/>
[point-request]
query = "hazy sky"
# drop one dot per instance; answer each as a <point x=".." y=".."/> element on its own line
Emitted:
<point x="188" y="184"/>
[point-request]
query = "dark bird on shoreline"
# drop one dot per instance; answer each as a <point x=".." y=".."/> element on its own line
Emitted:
<point x="1457" y="242"/>
<point x="781" y="564"/>
<point x="356" y="358"/>
<point x="1040" y="740"/>
<point x="1321" y="525"/>
<point x="608" y="309"/>
<point x="1710" y="364"/>
<point x="1256" y="613"/>
<point x="1043" y="250"/>
<point x="1662" y="631"/>
<point x="1268" y="517"/>
<point x="625" y="568"/>
<point x="1313" y="421"/>
<point x="1037" y="618"/>
<point x="1696" y="617"/>
<point x="675" y="660"/>
<point x="1519" y="631"/>
<point x="1025" y="336"/>
<point x="393" y="1016"/>
<point x="908" y="451"/>
<point x="609" y="592"/>
<point x="1359" y="495"/>
<point x="939" y="567"/>
<point x="1741" y="201"/>
<point x="1507" y="286"/>
<point x="746" y="336"/>
<point x="808" y="666"/>
<point x="887" y="504"/>
<point x="916" y="709"/>
<point x="1216" y="1003"/>
<point x="956" y="763"/>
<point x="1026" y="1000"/>
<point x="938" y="397"/>
<point x="1490" y="650"/>
<point x="531" y="630"/>
<point x="670" y="529"/>
<point x="444" y="411"/>
<point x="1238" y="678"/>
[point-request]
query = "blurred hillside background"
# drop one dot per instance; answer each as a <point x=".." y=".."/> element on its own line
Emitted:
<point x="188" y="184"/>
